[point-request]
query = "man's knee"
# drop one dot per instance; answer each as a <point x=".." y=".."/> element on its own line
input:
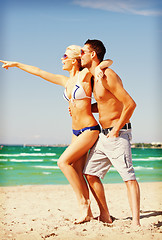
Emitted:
<point x="131" y="183"/>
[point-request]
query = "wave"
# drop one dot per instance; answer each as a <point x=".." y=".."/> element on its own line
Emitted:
<point x="135" y="168"/>
<point x="143" y="168"/>
<point x="8" y="168"/>
<point x="28" y="154"/>
<point x="46" y="173"/>
<point x="31" y="160"/>
<point x="54" y="160"/>
<point x="148" y="159"/>
<point x="155" y="158"/>
<point x="47" y="167"/>
<point x="27" y="160"/>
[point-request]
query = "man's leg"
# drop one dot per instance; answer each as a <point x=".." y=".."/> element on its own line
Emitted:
<point x="99" y="194"/>
<point x="133" y="191"/>
<point x="123" y="164"/>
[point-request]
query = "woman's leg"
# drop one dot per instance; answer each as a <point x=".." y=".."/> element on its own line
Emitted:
<point x="77" y="149"/>
<point x="79" y="166"/>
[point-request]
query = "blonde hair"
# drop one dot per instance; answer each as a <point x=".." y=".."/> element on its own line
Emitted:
<point x="73" y="51"/>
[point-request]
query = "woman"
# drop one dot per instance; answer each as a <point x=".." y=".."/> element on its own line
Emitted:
<point x="77" y="92"/>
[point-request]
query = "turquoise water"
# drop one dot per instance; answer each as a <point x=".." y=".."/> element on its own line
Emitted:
<point x="28" y="165"/>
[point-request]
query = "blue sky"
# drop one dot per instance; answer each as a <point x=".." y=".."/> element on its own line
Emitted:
<point x="33" y="111"/>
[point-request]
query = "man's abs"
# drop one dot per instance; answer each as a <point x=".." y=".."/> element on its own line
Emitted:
<point x="109" y="114"/>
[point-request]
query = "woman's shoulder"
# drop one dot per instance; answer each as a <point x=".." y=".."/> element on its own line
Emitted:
<point x="85" y="74"/>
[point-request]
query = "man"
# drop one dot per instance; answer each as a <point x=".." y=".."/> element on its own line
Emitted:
<point x="115" y="107"/>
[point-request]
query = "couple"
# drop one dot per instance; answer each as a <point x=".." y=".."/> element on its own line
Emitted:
<point x="112" y="146"/>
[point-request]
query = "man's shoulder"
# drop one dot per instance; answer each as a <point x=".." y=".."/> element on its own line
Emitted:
<point x="111" y="77"/>
<point x="109" y="71"/>
<point x="110" y="74"/>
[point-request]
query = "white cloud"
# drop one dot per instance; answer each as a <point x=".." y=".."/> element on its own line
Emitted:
<point x="36" y="136"/>
<point x="138" y="7"/>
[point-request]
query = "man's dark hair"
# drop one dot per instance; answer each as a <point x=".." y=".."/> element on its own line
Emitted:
<point x="98" y="47"/>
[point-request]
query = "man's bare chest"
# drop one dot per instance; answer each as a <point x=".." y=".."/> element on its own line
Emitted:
<point x="100" y="92"/>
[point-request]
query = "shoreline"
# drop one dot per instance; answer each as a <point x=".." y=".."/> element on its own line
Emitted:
<point x="67" y="184"/>
<point x="133" y="145"/>
<point x="39" y="212"/>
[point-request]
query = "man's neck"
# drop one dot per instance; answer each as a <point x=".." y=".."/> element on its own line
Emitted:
<point x="94" y="64"/>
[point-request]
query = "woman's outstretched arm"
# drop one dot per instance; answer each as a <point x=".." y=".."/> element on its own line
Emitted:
<point x="54" y="78"/>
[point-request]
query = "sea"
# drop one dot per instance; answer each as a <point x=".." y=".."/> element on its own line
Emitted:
<point x="37" y="165"/>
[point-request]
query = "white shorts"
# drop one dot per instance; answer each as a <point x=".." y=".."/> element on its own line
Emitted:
<point x="111" y="151"/>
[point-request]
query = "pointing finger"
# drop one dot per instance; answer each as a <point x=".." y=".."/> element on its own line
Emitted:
<point x="2" y="61"/>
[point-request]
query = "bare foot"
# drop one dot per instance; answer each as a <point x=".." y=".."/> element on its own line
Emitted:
<point x="106" y="218"/>
<point x="136" y="228"/>
<point x="83" y="220"/>
<point x="86" y="214"/>
<point x="135" y="224"/>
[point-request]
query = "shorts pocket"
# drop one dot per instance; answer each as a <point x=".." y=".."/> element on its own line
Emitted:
<point x="117" y="147"/>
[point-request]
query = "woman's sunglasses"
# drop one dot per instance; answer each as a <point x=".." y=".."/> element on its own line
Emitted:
<point x="64" y="56"/>
<point x="82" y="52"/>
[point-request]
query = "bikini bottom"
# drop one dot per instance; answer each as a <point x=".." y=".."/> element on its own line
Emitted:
<point x="78" y="132"/>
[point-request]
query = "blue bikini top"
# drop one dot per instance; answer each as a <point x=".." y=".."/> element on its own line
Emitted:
<point x="77" y="93"/>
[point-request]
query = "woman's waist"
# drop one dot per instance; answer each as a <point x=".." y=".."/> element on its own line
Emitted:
<point x="81" y="115"/>
<point x="79" y="123"/>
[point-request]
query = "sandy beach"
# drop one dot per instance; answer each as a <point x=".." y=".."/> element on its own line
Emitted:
<point x="48" y="212"/>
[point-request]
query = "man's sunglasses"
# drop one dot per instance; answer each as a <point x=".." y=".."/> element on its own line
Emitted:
<point x="82" y="52"/>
